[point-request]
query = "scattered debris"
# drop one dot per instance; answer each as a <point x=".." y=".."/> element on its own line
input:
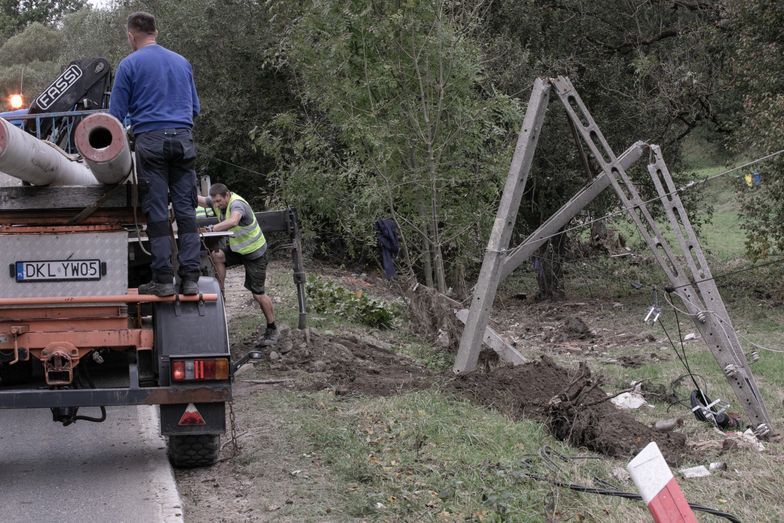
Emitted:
<point x="630" y="400"/>
<point x="717" y="466"/>
<point x="750" y="440"/>
<point x="621" y="474"/>
<point x="575" y="327"/>
<point x="667" y="425"/>
<point x="695" y="472"/>
<point x="690" y="336"/>
<point x="730" y="441"/>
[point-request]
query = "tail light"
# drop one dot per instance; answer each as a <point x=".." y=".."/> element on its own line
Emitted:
<point x="200" y="369"/>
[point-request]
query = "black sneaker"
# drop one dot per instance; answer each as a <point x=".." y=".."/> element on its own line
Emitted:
<point x="270" y="337"/>
<point x="189" y="287"/>
<point x="157" y="289"/>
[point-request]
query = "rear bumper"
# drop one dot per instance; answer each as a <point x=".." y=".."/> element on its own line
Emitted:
<point x="32" y="399"/>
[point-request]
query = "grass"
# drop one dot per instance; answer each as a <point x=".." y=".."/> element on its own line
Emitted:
<point x="427" y="456"/>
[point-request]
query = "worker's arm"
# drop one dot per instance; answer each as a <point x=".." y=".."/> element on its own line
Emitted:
<point x="121" y="93"/>
<point x="195" y="97"/>
<point x="228" y="223"/>
<point x="203" y="201"/>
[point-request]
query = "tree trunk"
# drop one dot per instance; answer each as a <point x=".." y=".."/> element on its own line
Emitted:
<point x="427" y="260"/>
<point x="548" y="265"/>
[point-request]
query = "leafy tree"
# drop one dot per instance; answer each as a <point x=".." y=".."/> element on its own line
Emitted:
<point x="26" y="58"/>
<point x="17" y="14"/>
<point x="756" y="65"/>
<point x="396" y="119"/>
<point x="648" y="70"/>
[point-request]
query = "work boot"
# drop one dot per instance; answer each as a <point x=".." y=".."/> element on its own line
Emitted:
<point x="189" y="287"/>
<point x="270" y="337"/>
<point x="157" y="289"/>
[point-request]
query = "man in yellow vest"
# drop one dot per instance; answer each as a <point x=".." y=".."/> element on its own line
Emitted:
<point x="247" y="247"/>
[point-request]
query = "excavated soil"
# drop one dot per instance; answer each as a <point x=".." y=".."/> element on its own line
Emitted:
<point x="345" y="363"/>
<point x="570" y="403"/>
<point x="358" y="364"/>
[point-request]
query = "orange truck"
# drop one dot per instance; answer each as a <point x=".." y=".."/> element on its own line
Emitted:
<point x="75" y="335"/>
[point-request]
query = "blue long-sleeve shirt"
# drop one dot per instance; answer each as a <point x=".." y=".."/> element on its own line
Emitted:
<point x="155" y="87"/>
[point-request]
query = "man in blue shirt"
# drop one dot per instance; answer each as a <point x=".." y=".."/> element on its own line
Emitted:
<point x="155" y="88"/>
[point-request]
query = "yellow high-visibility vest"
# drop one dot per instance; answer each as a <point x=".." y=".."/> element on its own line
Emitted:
<point x="246" y="239"/>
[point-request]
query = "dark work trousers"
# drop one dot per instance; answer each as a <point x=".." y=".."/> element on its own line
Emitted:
<point x="165" y="167"/>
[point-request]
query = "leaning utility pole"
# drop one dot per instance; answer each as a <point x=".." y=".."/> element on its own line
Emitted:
<point x="690" y="281"/>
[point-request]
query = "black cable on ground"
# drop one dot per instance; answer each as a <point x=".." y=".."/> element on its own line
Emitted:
<point x="626" y="495"/>
<point x="547" y="454"/>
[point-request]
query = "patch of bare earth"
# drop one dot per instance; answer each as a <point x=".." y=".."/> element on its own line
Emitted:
<point x="570" y="403"/>
<point x="274" y="478"/>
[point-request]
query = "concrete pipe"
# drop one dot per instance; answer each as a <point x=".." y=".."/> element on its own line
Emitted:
<point x="39" y="162"/>
<point x="100" y="138"/>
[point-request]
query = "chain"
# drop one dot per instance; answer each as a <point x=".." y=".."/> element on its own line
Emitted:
<point x="235" y="447"/>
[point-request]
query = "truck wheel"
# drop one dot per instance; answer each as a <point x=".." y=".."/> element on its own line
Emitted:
<point x="189" y="451"/>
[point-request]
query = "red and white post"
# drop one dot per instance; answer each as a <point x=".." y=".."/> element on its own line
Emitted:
<point x="658" y="487"/>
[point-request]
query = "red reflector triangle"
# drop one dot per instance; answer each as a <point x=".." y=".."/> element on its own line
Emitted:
<point x="191" y="416"/>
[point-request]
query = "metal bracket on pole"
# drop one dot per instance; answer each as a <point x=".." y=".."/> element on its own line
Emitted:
<point x="489" y="275"/>
<point x="707" y="307"/>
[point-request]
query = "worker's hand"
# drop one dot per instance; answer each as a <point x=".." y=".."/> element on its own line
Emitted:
<point x="209" y="228"/>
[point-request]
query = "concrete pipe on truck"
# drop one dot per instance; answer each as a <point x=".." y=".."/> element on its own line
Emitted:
<point x="101" y="140"/>
<point x="39" y="162"/>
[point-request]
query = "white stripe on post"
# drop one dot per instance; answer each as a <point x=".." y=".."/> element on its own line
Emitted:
<point x="658" y="487"/>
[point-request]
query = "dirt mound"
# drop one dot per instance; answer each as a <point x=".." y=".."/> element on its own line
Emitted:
<point x="570" y="403"/>
<point x="346" y="363"/>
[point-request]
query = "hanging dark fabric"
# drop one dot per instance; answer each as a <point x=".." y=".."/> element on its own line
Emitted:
<point x="386" y="231"/>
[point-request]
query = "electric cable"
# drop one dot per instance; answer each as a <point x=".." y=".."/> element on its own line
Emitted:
<point x="545" y="454"/>
<point x="620" y="212"/>
<point x="729" y="273"/>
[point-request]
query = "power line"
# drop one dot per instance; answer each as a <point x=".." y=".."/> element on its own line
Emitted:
<point x="728" y="273"/>
<point x="620" y="212"/>
<point x="236" y="166"/>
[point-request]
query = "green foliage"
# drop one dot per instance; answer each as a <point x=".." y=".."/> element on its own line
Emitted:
<point x="396" y="119"/>
<point x="27" y="60"/>
<point x="90" y="33"/>
<point x="35" y="43"/>
<point x="328" y="297"/>
<point x="17" y="14"/>
<point x="756" y="63"/>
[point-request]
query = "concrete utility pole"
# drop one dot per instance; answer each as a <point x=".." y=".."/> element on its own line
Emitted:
<point x="690" y="281"/>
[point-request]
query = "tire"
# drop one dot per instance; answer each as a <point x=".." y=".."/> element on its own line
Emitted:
<point x="189" y="451"/>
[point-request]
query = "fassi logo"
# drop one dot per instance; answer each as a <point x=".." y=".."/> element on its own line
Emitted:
<point x="52" y="93"/>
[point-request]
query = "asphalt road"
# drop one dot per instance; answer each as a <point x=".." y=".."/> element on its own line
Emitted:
<point x="115" y="471"/>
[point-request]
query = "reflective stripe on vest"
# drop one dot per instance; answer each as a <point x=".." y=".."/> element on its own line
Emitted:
<point x="246" y="239"/>
<point x="203" y="212"/>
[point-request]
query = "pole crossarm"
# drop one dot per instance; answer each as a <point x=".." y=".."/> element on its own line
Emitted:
<point x="564" y="215"/>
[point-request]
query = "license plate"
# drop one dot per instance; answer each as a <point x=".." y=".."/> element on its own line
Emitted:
<point x="58" y="270"/>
